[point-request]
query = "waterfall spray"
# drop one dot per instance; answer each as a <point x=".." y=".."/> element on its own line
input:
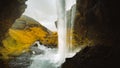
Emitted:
<point x="65" y="27"/>
<point x="70" y="23"/>
<point x="62" y="48"/>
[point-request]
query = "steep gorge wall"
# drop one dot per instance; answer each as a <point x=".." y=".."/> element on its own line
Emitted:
<point x="10" y="10"/>
<point x="97" y="20"/>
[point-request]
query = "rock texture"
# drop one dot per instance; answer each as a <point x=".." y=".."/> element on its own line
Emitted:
<point x="10" y="10"/>
<point x="98" y="20"/>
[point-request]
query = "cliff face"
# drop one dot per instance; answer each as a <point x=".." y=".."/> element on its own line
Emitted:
<point x="98" y="21"/>
<point x="94" y="20"/>
<point x="10" y="10"/>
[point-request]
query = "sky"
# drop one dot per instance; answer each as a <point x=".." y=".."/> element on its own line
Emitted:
<point x="45" y="11"/>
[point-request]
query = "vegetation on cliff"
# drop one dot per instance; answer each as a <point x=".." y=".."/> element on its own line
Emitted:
<point x="19" y="38"/>
<point x="19" y="41"/>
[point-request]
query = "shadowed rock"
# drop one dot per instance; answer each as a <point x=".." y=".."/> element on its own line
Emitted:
<point x="97" y="20"/>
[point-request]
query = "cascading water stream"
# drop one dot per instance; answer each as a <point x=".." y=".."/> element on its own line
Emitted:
<point x="66" y="15"/>
<point x="62" y="48"/>
<point x="54" y="57"/>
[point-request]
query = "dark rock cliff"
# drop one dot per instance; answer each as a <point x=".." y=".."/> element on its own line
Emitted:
<point x="10" y="10"/>
<point x="98" y="20"/>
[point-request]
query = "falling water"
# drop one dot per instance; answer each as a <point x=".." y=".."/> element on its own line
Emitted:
<point x="53" y="58"/>
<point x="70" y="16"/>
<point x="62" y="48"/>
<point x="66" y="15"/>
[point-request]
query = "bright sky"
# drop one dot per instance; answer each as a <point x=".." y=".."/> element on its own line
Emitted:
<point x="45" y="11"/>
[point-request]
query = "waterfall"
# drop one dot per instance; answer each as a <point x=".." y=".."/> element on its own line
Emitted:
<point x="66" y="15"/>
<point x="62" y="48"/>
<point x="54" y="57"/>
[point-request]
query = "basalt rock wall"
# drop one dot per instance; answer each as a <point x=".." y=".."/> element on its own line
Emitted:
<point x="10" y="10"/>
<point x="97" y="20"/>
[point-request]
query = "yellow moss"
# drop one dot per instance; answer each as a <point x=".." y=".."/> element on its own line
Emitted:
<point x="12" y="47"/>
<point x="21" y="40"/>
<point x="23" y="36"/>
<point x="79" y="41"/>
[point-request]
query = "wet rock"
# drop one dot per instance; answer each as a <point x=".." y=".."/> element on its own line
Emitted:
<point x="98" y="21"/>
<point x="35" y="50"/>
<point x="94" y="20"/>
<point x="22" y="61"/>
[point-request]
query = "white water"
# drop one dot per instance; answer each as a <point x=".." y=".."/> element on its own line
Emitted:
<point x="45" y="59"/>
<point x="62" y="44"/>
<point x="53" y="58"/>
<point x="65" y="29"/>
